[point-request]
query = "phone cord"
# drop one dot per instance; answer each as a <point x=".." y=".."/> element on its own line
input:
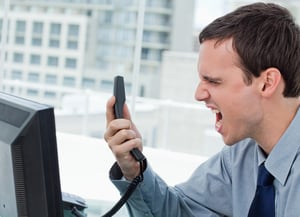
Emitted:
<point x="132" y="186"/>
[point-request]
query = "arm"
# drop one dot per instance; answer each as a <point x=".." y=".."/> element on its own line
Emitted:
<point x="150" y="196"/>
<point x="154" y="197"/>
<point x="204" y="195"/>
<point x="121" y="136"/>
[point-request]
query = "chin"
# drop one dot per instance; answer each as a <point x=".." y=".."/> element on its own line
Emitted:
<point x="229" y="141"/>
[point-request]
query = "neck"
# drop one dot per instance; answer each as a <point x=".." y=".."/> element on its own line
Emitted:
<point x="275" y="121"/>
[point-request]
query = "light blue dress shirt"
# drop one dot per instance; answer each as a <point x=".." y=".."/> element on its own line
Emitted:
<point x="225" y="184"/>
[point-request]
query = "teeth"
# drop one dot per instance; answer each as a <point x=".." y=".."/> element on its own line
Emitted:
<point x="215" y="111"/>
<point x="218" y="125"/>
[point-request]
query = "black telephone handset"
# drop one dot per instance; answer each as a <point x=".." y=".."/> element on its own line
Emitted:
<point x="119" y="93"/>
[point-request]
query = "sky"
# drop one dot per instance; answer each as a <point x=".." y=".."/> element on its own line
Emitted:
<point x="207" y="11"/>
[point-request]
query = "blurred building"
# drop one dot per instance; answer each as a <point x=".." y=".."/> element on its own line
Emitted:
<point x="175" y="122"/>
<point x="56" y="47"/>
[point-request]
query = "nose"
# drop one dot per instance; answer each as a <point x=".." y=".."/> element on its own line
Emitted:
<point x="201" y="93"/>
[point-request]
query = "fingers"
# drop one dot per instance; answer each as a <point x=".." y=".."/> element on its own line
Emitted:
<point x="122" y="151"/>
<point x="129" y="166"/>
<point x="110" y="115"/>
<point x="111" y="125"/>
<point x="121" y="142"/>
<point x="114" y="126"/>
<point x="122" y="136"/>
<point x="126" y="112"/>
<point x="119" y="135"/>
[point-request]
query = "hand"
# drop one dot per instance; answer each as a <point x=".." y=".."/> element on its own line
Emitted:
<point x="122" y="136"/>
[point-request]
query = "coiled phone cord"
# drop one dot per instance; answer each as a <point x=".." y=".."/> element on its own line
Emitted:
<point x="133" y="185"/>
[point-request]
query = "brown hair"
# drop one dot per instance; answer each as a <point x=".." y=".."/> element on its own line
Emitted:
<point x="263" y="35"/>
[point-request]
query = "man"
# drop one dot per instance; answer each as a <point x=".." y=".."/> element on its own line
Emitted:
<point x="249" y="70"/>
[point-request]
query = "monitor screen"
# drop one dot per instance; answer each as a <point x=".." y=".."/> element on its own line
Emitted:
<point x="29" y="170"/>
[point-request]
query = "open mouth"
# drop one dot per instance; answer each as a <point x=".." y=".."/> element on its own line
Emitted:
<point x="219" y="119"/>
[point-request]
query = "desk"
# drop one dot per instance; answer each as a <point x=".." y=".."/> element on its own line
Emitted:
<point x="84" y="163"/>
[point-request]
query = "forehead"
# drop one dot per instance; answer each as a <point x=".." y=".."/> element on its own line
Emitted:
<point x="217" y="57"/>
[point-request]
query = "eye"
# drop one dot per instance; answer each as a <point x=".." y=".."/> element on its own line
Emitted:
<point x="212" y="81"/>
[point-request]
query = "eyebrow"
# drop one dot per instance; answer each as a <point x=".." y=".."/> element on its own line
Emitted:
<point x="208" y="78"/>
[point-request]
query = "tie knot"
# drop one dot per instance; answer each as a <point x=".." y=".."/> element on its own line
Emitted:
<point x="264" y="177"/>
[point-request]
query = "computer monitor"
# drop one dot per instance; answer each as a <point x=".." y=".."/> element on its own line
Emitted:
<point x="29" y="170"/>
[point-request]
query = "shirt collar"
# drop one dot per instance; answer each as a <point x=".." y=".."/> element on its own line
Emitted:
<point x="281" y="158"/>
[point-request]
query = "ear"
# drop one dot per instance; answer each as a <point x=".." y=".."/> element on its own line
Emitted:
<point x="270" y="80"/>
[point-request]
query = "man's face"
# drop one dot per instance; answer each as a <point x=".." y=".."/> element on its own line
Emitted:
<point x="222" y="87"/>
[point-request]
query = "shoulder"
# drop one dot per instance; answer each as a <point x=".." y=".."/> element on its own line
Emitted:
<point x="231" y="157"/>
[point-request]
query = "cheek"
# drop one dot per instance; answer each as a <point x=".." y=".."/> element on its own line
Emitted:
<point x="242" y="101"/>
<point x="245" y="106"/>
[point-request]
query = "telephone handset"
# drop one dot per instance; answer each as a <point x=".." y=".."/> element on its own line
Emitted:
<point x="119" y="93"/>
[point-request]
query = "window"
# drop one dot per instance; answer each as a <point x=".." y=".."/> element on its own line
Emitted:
<point x="50" y="94"/>
<point x="106" y="34"/>
<point x="51" y="79"/>
<point x="37" y="28"/>
<point x="72" y="45"/>
<point x="32" y="92"/>
<point x="164" y="37"/>
<point x="55" y="29"/>
<point x="19" y="40"/>
<point x="166" y="20"/>
<point x="102" y="63"/>
<point x="124" y="3"/>
<point x="106" y="85"/>
<point x="145" y="53"/>
<point x="33" y="76"/>
<point x="69" y="81"/>
<point x="127" y="17"/>
<point x="147" y="36"/>
<point x="106" y="17"/>
<point x="35" y="59"/>
<point x="11" y="89"/>
<point x="16" y="75"/>
<point x="157" y="19"/>
<point x="20" y="26"/>
<point x="18" y="58"/>
<point x="126" y="35"/>
<point x="54" y="43"/>
<point x="158" y="3"/>
<point x="52" y="61"/>
<point x="124" y="52"/>
<point x="71" y="63"/>
<point x="105" y="51"/>
<point x="88" y="83"/>
<point x="73" y="30"/>
<point x="36" y="42"/>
